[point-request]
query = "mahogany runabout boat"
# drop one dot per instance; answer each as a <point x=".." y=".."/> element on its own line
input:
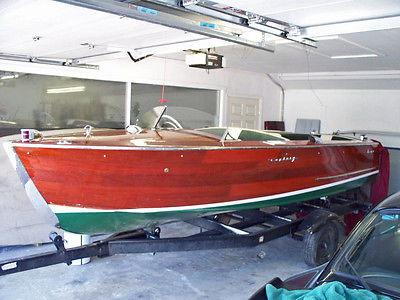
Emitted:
<point x="104" y="180"/>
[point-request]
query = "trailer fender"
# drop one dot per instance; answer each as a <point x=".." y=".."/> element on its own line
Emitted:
<point x="318" y="218"/>
<point x="324" y="233"/>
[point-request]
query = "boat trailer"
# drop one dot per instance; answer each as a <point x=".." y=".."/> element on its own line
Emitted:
<point x="318" y="223"/>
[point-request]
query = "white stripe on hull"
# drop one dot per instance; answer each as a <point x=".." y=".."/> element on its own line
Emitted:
<point x="68" y="209"/>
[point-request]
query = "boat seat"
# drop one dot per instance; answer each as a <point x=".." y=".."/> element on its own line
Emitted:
<point x="250" y="135"/>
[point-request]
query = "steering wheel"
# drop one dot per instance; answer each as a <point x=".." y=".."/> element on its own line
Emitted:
<point x="170" y="121"/>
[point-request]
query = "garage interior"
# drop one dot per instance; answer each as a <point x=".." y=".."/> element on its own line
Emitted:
<point x="70" y="63"/>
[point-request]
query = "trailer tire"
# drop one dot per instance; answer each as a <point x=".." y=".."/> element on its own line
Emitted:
<point x="320" y="245"/>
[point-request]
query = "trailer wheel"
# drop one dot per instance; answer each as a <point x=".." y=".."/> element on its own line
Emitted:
<point x="320" y="245"/>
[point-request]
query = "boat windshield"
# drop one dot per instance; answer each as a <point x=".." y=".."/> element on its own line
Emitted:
<point x="371" y="257"/>
<point x="157" y="118"/>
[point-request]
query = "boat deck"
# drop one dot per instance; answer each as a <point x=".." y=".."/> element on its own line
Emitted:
<point x="189" y="139"/>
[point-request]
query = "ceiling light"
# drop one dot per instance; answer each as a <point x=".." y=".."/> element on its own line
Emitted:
<point x="382" y="74"/>
<point x="12" y="76"/>
<point x="66" y="90"/>
<point x="7" y="122"/>
<point x="353" y="56"/>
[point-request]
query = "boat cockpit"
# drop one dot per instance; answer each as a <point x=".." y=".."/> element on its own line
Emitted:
<point x="272" y="136"/>
<point x="158" y="119"/>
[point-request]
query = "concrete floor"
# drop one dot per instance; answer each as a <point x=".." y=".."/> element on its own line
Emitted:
<point x="210" y="274"/>
<point x="20" y="224"/>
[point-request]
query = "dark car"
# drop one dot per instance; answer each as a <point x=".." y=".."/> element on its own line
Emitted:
<point x="368" y="259"/>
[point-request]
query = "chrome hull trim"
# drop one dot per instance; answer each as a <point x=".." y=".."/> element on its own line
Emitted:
<point x="156" y="148"/>
<point x="345" y="174"/>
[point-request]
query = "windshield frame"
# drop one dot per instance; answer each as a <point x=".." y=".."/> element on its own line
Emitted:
<point x="357" y="237"/>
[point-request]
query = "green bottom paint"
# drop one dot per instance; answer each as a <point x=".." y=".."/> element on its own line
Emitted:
<point x="110" y="222"/>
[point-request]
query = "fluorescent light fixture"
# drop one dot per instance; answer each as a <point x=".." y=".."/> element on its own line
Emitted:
<point x="382" y="75"/>
<point x="74" y="89"/>
<point x="7" y="122"/>
<point x="12" y="76"/>
<point x="353" y="56"/>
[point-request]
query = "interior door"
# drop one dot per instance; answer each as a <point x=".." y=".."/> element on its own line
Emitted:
<point x="243" y="112"/>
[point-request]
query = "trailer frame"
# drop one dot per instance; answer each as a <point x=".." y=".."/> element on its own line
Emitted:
<point x="246" y="228"/>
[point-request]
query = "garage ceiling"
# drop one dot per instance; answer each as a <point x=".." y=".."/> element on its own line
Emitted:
<point x="291" y="57"/>
<point x="50" y="29"/>
<point x="318" y="12"/>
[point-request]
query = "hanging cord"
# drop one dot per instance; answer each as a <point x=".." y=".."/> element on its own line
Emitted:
<point x="138" y="59"/>
<point x="162" y="100"/>
<point x="308" y="77"/>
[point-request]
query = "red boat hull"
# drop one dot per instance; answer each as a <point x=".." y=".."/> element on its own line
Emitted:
<point x="149" y="179"/>
<point x="156" y="180"/>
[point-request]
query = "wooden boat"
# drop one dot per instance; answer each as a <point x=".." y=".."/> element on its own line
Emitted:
<point x="102" y="181"/>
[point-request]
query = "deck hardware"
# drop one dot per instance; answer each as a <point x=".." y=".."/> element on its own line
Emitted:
<point x="28" y="135"/>
<point x="166" y="170"/>
<point x="88" y="130"/>
<point x="133" y="129"/>
<point x="63" y="142"/>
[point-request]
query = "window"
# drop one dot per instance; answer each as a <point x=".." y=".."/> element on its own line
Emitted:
<point x="53" y="102"/>
<point x="193" y="108"/>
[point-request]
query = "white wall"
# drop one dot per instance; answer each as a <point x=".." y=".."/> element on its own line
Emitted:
<point x="19" y="223"/>
<point x="155" y="70"/>
<point x="345" y="109"/>
<point x="375" y="110"/>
